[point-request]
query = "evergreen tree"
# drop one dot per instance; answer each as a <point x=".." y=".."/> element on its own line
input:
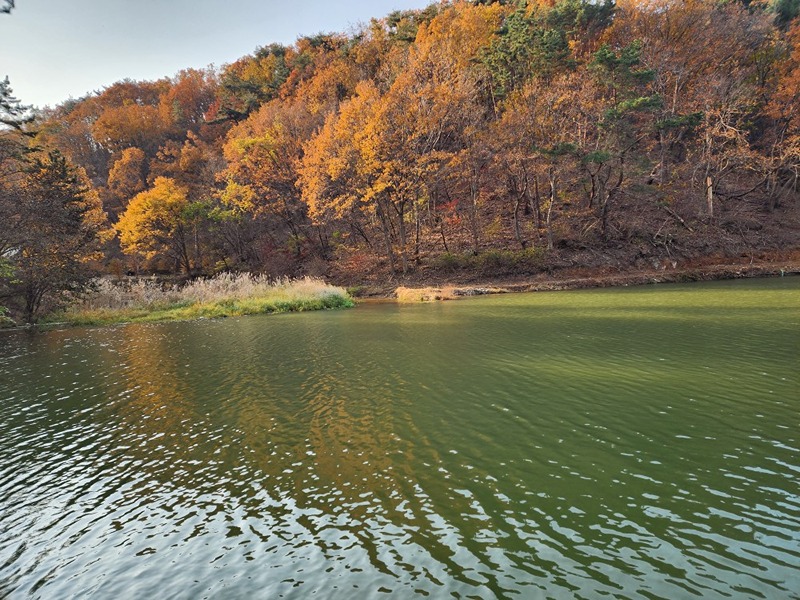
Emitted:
<point x="56" y="227"/>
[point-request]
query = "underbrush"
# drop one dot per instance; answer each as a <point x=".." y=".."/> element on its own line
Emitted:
<point x="493" y="262"/>
<point x="5" y="320"/>
<point x="226" y="295"/>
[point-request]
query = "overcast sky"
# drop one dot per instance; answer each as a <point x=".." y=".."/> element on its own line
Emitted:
<point x="52" y="50"/>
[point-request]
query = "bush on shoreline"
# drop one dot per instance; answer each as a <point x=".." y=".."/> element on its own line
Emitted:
<point x="5" y="320"/>
<point x="494" y="262"/>
<point x="226" y="295"/>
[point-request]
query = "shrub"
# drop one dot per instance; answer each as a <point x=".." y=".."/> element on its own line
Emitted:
<point x="493" y="262"/>
<point x="451" y="262"/>
<point x="5" y="320"/>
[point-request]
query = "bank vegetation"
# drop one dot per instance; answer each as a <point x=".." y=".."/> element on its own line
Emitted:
<point x="149" y="300"/>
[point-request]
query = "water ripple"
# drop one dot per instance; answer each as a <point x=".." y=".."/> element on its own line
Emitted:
<point x="558" y="446"/>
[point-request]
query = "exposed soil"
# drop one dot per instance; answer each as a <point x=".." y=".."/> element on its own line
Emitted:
<point x="774" y="264"/>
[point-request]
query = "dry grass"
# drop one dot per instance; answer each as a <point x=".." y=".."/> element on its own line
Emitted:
<point x="431" y="294"/>
<point x="220" y="296"/>
<point x="427" y="294"/>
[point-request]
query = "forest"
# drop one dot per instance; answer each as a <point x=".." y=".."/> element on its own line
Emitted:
<point x="469" y="139"/>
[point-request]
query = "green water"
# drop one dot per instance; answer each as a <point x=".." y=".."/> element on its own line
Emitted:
<point x="631" y="443"/>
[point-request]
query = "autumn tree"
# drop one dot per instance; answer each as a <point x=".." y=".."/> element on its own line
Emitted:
<point x="376" y="55"/>
<point x="94" y="130"/>
<point x="131" y="126"/>
<point x="325" y="74"/>
<point x="264" y="154"/>
<point x="189" y="98"/>
<point x="782" y="164"/>
<point x="58" y="228"/>
<point x="425" y="133"/>
<point x="438" y="102"/>
<point x="126" y="178"/>
<point x="193" y="163"/>
<point x="68" y="127"/>
<point x="14" y="145"/>
<point x="538" y="142"/>
<point x="334" y="182"/>
<point x="703" y="59"/>
<point x="383" y="149"/>
<point x="251" y="81"/>
<point x="160" y="221"/>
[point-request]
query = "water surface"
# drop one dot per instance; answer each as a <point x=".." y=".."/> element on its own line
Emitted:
<point x="630" y="443"/>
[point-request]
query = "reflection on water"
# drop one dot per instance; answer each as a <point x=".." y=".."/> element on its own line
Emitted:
<point x="624" y="443"/>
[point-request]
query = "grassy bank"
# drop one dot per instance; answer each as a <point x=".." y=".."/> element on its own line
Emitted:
<point x="148" y="301"/>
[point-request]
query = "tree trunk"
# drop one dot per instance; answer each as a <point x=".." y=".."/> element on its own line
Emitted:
<point x="444" y="239"/>
<point x="517" y="230"/>
<point x="400" y="209"/>
<point x="551" y="176"/>
<point x="387" y="235"/>
<point x="602" y="202"/>
<point x="182" y="251"/>
<point x="611" y="194"/>
<point x="710" y="196"/>
<point x="662" y="175"/>
<point x="593" y="190"/>
<point x="474" y="213"/>
<point x="520" y="201"/>
<point x="33" y="300"/>
<point x="536" y="206"/>
<point x="195" y="250"/>
<point x="417" y="232"/>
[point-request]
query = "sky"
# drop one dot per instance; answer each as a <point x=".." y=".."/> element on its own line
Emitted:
<point x="53" y="50"/>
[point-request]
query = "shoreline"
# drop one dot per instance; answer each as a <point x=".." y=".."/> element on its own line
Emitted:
<point x="433" y="290"/>
<point x="226" y="295"/>
<point x="199" y="312"/>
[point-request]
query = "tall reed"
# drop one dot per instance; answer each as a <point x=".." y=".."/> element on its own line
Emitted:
<point x="226" y="294"/>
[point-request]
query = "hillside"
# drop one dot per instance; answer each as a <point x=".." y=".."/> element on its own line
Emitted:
<point x="470" y="141"/>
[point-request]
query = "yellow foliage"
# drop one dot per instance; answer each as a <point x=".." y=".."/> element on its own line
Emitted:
<point x="459" y="33"/>
<point x="336" y="170"/>
<point x="263" y="154"/>
<point x="240" y="197"/>
<point x="126" y="178"/>
<point x="152" y="218"/>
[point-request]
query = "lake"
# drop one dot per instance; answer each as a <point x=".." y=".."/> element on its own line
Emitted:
<point x="628" y="443"/>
